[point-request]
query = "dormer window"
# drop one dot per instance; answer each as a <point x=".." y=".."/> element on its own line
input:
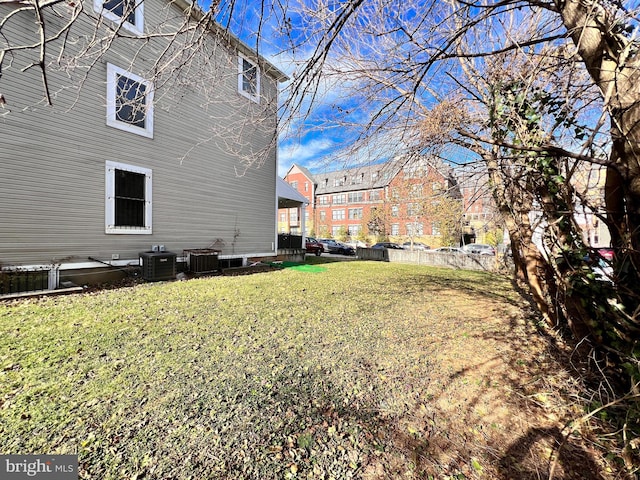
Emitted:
<point x="127" y="13"/>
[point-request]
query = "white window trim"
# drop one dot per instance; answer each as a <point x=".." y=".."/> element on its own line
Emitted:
<point x="256" y="97"/>
<point x="137" y="29"/>
<point x="112" y="121"/>
<point x="110" y="204"/>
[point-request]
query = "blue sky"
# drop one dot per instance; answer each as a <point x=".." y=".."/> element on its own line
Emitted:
<point x="317" y="140"/>
<point x="342" y="105"/>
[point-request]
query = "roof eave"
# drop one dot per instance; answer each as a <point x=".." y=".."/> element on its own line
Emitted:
<point x="267" y="67"/>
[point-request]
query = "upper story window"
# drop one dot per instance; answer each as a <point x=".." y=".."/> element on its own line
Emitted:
<point x="415" y="191"/>
<point x="355" y="213"/>
<point x="248" y="79"/>
<point x="415" y="229"/>
<point x="337" y="214"/>
<point x="129" y="102"/>
<point x="294" y="184"/>
<point x="128" y="13"/>
<point x="356" y="197"/>
<point x="339" y="199"/>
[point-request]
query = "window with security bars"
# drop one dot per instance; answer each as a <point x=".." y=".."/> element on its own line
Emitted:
<point x="129" y="199"/>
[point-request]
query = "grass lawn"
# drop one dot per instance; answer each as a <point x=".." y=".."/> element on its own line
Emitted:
<point x="364" y="370"/>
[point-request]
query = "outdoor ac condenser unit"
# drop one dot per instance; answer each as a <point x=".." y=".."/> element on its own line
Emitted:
<point x="202" y="260"/>
<point x="158" y="266"/>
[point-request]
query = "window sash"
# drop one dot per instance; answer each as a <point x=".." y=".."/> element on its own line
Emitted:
<point x="129" y="102"/>
<point x="120" y="7"/>
<point x="128" y="201"/>
<point x="248" y="79"/>
<point x="126" y="13"/>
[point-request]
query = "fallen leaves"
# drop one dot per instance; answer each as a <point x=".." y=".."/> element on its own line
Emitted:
<point x="377" y="371"/>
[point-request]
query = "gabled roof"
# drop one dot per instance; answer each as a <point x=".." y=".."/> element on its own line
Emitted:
<point x="303" y="170"/>
<point x="372" y="176"/>
<point x="353" y="179"/>
<point x="197" y="13"/>
<point x="288" y="197"/>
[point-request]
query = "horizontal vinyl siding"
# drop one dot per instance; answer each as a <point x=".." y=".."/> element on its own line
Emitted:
<point x="52" y="168"/>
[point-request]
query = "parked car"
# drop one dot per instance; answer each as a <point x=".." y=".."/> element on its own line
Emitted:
<point x="479" y="249"/>
<point x="388" y="245"/>
<point x="313" y="246"/>
<point x="603" y="270"/>
<point x="416" y="246"/>
<point x="327" y="243"/>
<point x="606" y="253"/>
<point x="342" y="249"/>
<point x="448" y="250"/>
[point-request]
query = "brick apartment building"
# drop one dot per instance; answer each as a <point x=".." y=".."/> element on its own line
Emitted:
<point x="480" y="219"/>
<point x="383" y="199"/>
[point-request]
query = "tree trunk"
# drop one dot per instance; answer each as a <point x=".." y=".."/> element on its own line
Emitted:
<point x="613" y="66"/>
<point x="606" y="57"/>
<point x="515" y="204"/>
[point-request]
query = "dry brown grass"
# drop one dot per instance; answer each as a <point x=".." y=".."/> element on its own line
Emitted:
<point x="366" y="370"/>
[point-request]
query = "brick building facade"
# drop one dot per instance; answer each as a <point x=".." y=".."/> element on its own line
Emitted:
<point x="361" y="203"/>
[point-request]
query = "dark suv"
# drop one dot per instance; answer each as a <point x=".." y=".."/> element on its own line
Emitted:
<point x="391" y="245"/>
<point x="313" y="246"/>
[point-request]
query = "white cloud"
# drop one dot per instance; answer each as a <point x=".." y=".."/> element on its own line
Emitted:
<point x="302" y="153"/>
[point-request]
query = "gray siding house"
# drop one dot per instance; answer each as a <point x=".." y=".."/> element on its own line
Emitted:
<point x="151" y="139"/>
